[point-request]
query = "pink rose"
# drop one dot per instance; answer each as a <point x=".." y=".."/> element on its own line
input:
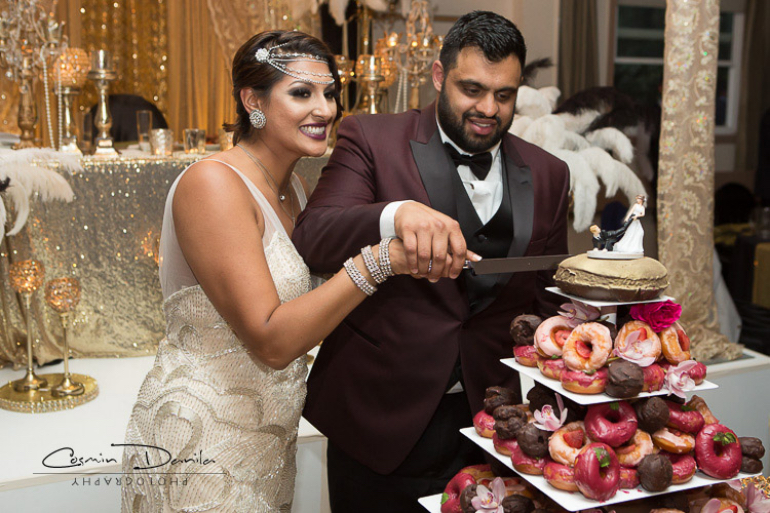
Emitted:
<point x="659" y="315"/>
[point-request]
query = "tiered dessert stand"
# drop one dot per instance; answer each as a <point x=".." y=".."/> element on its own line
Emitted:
<point x="576" y="501"/>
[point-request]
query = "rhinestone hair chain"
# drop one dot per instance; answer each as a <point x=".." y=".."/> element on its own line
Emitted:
<point x="279" y="60"/>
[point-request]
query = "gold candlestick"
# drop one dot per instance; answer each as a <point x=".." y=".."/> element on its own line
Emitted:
<point x="102" y="74"/>
<point x="63" y="295"/>
<point x="26" y="278"/>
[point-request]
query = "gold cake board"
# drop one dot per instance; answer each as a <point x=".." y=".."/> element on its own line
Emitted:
<point x="42" y="401"/>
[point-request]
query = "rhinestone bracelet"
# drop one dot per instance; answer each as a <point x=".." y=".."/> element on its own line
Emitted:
<point x="371" y="265"/>
<point x="358" y="278"/>
<point x="385" y="257"/>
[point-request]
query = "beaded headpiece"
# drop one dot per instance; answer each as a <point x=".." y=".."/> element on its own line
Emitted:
<point x="278" y="60"/>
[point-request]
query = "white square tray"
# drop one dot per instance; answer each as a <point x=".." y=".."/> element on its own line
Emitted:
<point x="535" y="374"/>
<point x="598" y="304"/>
<point x="432" y="503"/>
<point x="575" y="501"/>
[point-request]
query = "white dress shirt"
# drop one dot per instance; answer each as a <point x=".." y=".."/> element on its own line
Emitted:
<point x="485" y="195"/>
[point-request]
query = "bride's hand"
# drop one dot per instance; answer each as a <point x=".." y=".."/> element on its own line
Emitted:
<point x="399" y="264"/>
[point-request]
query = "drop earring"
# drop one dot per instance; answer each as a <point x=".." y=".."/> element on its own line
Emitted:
<point x="257" y="119"/>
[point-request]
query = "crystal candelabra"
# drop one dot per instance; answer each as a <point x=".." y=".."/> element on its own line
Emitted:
<point x="69" y="76"/>
<point x="29" y="38"/>
<point x="102" y="73"/>
<point x="26" y="277"/>
<point x="63" y="295"/>
<point x="411" y="60"/>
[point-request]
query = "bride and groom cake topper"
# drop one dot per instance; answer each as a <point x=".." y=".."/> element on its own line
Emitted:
<point x="626" y="242"/>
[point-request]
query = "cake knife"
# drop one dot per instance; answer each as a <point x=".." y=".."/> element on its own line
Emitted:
<point x="514" y="264"/>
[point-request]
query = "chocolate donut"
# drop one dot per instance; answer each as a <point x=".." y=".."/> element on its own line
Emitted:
<point x="655" y="472"/>
<point x="517" y="504"/>
<point x="539" y="396"/>
<point x="523" y="329"/>
<point x="508" y="420"/>
<point x="498" y="396"/>
<point x="652" y="414"/>
<point x="533" y="441"/>
<point x="752" y="447"/>
<point x="625" y="379"/>
<point x="466" y="496"/>
<point x="751" y="465"/>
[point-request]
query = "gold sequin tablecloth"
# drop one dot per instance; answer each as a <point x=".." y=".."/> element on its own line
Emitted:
<point x="107" y="238"/>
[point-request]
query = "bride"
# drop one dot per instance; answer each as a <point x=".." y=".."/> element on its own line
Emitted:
<point x="633" y="239"/>
<point x="215" y="423"/>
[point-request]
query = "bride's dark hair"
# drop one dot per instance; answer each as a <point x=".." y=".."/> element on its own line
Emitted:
<point x="248" y="72"/>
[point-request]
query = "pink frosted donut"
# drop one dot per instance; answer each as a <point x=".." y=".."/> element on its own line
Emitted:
<point x="587" y="347"/>
<point x="527" y="355"/>
<point x="503" y="446"/>
<point x="645" y="332"/>
<point x="484" y="424"/>
<point x="551" y="368"/>
<point x="629" y="477"/>
<point x="611" y="423"/>
<point x="551" y="335"/>
<point x="560" y="476"/>
<point x="632" y="452"/>
<point x="654" y="376"/>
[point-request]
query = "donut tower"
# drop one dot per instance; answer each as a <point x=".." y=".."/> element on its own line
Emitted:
<point x="609" y="419"/>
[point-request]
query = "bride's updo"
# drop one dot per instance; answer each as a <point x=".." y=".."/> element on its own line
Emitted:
<point x="261" y="76"/>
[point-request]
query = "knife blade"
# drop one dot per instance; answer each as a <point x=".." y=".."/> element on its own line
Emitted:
<point x="514" y="264"/>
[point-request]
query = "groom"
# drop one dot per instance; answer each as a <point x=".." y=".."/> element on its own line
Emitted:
<point x="396" y="380"/>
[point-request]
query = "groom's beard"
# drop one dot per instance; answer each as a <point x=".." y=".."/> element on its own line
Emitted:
<point x="453" y="125"/>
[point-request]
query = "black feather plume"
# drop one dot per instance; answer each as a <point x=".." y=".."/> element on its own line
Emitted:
<point x="531" y="69"/>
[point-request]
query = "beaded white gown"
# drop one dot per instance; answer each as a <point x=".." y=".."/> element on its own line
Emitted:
<point x="229" y="421"/>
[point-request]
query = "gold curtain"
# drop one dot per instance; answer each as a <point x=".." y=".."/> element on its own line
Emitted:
<point x="755" y="84"/>
<point x="686" y="170"/>
<point x="578" y="47"/>
<point x="199" y="85"/>
<point x="235" y="21"/>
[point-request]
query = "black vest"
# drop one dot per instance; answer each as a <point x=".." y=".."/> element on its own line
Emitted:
<point x="491" y="240"/>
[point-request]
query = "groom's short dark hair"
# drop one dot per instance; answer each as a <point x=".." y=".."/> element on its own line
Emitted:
<point x="497" y="37"/>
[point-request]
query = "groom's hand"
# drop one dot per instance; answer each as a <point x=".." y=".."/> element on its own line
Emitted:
<point x="430" y="237"/>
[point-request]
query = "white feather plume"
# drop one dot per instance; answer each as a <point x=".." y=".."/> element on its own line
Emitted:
<point x="584" y="187"/>
<point x="531" y="102"/>
<point x="520" y="125"/>
<point x="546" y="132"/>
<point x="613" y="140"/>
<point x="551" y="94"/>
<point x="27" y="179"/>
<point x="575" y="142"/>
<point x="615" y="175"/>
<point x="579" y="123"/>
<point x="19" y="196"/>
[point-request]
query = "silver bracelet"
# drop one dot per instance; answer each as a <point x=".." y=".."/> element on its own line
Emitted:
<point x="358" y="278"/>
<point x="385" y="257"/>
<point x="371" y="265"/>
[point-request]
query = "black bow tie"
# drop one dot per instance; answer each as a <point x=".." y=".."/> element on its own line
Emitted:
<point x="479" y="163"/>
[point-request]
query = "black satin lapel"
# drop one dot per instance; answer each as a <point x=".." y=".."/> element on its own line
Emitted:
<point x="522" y="205"/>
<point x="434" y="165"/>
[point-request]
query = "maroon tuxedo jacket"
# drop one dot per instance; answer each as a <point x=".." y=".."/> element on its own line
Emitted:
<point x="380" y="375"/>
